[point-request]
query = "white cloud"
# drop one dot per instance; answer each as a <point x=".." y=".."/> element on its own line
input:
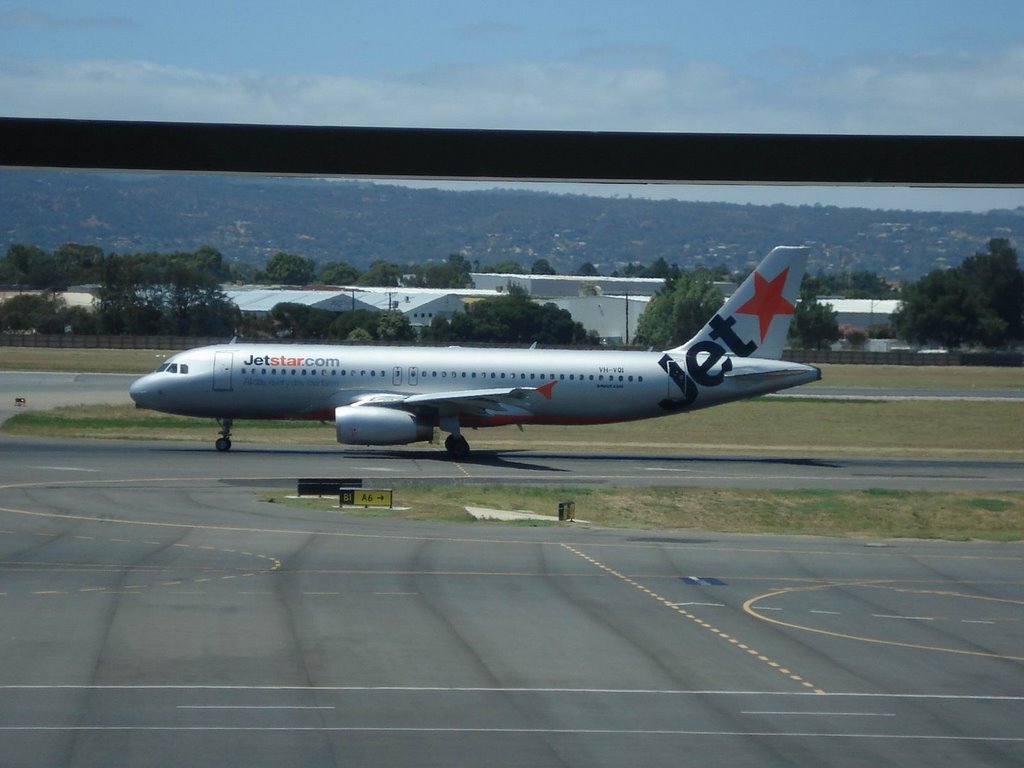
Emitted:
<point x="24" y="18"/>
<point x="954" y="94"/>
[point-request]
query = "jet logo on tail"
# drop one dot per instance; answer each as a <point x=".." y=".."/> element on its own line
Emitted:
<point x="709" y="356"/>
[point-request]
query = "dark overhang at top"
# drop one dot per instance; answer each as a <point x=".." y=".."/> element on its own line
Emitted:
<point x="513" y="155"/>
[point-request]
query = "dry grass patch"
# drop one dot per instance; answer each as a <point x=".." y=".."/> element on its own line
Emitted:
<point x="793" y="427"/>
<point x="875" y="513"/>
<point x="82" y="360"/>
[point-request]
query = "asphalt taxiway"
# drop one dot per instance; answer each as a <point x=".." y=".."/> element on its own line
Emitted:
<point x="156" y="612"/>
<point x="53" y="458"/>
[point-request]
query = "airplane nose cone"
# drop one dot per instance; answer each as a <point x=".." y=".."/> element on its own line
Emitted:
<point x="140" y="391"/>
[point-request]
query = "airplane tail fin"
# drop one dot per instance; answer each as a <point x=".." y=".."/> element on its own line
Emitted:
<point x="755" y="320"/>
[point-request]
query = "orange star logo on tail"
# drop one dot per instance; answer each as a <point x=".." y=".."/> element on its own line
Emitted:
<point x="767" y="301"/>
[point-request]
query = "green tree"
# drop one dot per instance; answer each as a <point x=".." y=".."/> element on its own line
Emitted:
<point x="664" y="270"/>
<point x="289" y="269"/>
<point x="75" y="264"/>
<point x="996" y="284"/>
<point x="382" y="274"/>
<point x="205" y="261"/>
<point x="935" y="309"/>
<point x="45" y="313"/>
<point x="298" y="321"/>
<point x="194" y="303"/>
<point x="359" y="335"/>
<point x="28" y="266"/>
<point x="345" y="324"/>
<point x="338" y="273"/>
<point x="542" y="267"/>
<point x="79" y="320"/>
<point x="511" y="319"/>
<point x="506" y="267"/>
<point x="679" y="310"/>
<point x="980" y="302"/>
<point x="32" y="312"/>
<point x="660" y="268"/>
<point x="129" y="300"/>
<point x="392" y="325"/>
<point x="860" y="284"/>
<point x="814" y="324"/>
<point x="452" y="273"/>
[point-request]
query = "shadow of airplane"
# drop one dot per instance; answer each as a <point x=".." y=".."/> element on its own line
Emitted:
<point x="520" y="459"/>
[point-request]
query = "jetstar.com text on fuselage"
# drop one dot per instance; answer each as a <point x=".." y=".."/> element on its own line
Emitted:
<point x="286" y="362"/>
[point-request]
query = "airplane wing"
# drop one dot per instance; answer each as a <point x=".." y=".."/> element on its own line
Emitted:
<point x="471" y="402"/>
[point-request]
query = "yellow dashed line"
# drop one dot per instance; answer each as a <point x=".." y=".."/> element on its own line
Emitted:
<point x="794" y="677"/>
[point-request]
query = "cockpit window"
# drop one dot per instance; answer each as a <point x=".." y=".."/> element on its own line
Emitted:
<point x="172" y="368"/>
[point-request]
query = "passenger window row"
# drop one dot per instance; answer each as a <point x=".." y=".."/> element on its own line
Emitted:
<point x="334" y="372"/>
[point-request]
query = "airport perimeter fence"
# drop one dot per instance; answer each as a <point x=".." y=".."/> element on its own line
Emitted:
<point x="104" y="341"/>
<point x="840" y="357"/>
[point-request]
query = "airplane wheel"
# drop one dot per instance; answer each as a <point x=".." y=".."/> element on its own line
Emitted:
<point x="223" y="444"/>
<point x="457" y="447"/>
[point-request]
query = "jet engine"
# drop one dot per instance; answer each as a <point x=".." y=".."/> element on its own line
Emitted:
<point x="372" y="425"/>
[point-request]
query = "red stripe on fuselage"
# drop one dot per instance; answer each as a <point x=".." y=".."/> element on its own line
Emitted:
<point x="484" y="421"/>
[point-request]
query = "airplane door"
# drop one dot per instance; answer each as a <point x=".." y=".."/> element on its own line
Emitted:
<point x="222" y="364"/>
<point x="413" y="375"/>
<point x="396" y="376"/>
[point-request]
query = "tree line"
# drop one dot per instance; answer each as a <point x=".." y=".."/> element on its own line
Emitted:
<point x="181" y="294"/>
<point x="979" y="303"/>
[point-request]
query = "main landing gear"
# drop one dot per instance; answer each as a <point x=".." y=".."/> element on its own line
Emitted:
<point x="457" y="447"/>
<point x="224" y="441"/>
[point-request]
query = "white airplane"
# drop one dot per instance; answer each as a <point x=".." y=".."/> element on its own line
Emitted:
<point x="382" y="395"/>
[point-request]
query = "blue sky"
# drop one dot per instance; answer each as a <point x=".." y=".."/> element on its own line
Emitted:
<point x="901" y="66"/>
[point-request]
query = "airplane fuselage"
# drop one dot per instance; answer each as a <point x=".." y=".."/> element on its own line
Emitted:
<point x="310" y="381"/>
<point x="296" y="381"/>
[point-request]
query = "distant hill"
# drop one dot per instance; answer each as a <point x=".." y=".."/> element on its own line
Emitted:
<point x="251" y="218"/>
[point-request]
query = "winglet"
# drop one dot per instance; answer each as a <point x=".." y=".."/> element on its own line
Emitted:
<point x="755" y="320"/>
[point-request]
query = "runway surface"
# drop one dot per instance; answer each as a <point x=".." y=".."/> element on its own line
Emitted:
<point x="429" y="464"/>
<point x="156" y="612"/>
